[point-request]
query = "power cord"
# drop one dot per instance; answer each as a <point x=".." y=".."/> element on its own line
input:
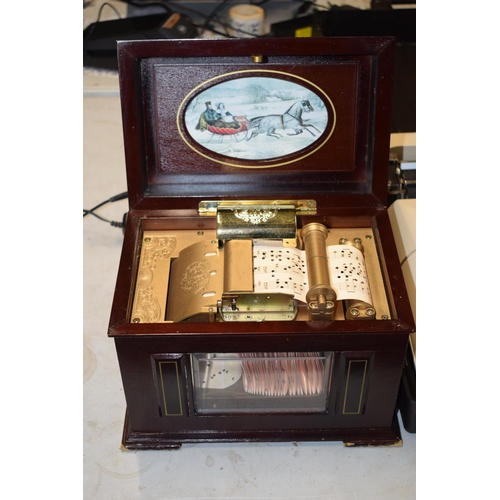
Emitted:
<point x="91" y="30"/>
<point x="118" y="197"/>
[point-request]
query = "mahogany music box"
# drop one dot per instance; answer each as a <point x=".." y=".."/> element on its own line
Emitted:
<point x="259" y="295"/>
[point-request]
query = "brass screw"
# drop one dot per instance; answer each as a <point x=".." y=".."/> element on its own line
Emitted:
<point x="354" y="312"/>
<point x="385" y="316"/>
<point x="370" y="311"/>
<point x="147" y="240"/>
<point x="368" y="236"/>
<point x="136" y="320"/>
<point x="357" y="240"/>
<point x="200" y="233"/>
<point x="342" y="241"/>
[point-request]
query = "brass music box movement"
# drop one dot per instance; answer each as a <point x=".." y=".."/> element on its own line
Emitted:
<point x="259" y="295"/>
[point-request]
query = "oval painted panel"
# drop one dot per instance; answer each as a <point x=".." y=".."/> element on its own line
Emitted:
<point x="258" y="118"/>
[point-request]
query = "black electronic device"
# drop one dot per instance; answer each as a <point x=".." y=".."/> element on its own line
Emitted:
<point x="99" y="39"/>
<point x="400" y="23"/>
<point x="380" y="20"/>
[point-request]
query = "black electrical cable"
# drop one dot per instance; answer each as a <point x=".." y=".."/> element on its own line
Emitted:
<point x="214" y="15"/>
<point x="118" y="197"/>
<point x="89" y="35"/>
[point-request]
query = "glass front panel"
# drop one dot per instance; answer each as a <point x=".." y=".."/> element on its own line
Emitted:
<point x="263" y="382"/>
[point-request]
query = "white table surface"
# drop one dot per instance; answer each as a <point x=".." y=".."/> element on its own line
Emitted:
<point x="322" y="470"/>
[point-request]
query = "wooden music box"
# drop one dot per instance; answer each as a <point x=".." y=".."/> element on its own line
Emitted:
<point x="259" y="294"/>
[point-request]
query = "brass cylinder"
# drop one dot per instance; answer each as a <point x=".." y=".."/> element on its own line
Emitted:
<point x="321" y="296"/>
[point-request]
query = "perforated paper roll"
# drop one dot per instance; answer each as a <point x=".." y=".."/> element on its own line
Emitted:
<point x="246" y="21"/>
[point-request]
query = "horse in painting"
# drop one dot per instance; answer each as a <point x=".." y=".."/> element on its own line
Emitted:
<point x="290" y="119"/>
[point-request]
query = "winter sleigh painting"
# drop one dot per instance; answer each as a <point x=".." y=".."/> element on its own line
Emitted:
<point x="257" y="118"/>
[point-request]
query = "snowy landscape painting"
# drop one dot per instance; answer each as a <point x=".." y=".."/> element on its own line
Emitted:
<point x="256" y="118"/>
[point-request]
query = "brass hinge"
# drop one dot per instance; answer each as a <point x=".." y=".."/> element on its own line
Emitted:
<point x="256" y="219"/>
<point x="210" y="208"/>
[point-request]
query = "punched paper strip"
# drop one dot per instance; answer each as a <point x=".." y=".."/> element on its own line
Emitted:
<point x="284" y="270"/>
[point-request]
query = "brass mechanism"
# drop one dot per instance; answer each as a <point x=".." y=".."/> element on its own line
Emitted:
<point x="198" y="275"/>
<point x="258" y="307"/>
<point x="209" y="279"/>
<point x="257" y="266"/>
<point x="239" y="302"/>
<point x="321" y="296"/>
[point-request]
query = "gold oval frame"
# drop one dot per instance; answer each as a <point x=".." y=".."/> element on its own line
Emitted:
<point x="194" y="90"/>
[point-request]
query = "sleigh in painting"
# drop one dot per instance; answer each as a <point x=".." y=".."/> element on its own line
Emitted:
<point x="221" y="123"/>
<point x="221" y="131"/>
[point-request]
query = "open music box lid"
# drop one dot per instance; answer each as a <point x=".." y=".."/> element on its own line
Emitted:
<point x="256" y="118"/>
